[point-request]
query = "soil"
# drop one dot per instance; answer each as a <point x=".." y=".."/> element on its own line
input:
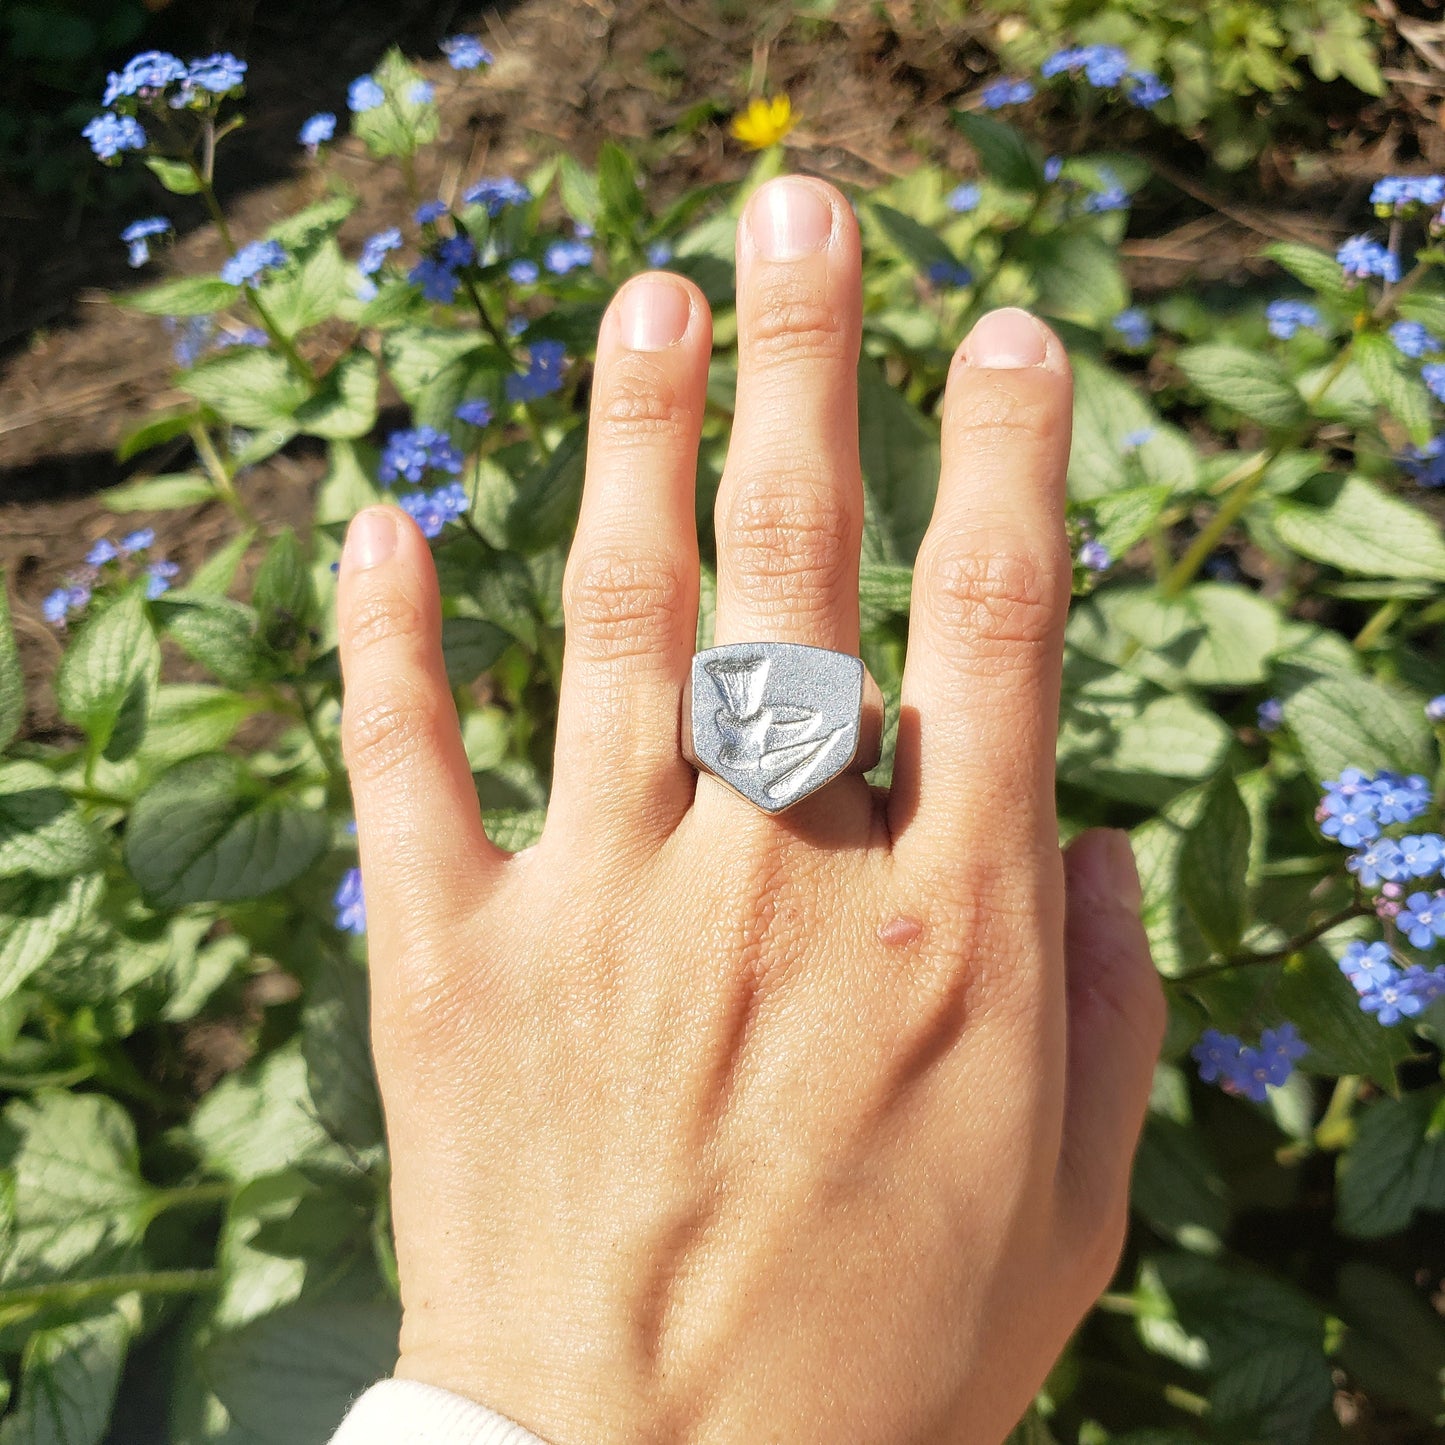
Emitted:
<point x="873" y="87"/>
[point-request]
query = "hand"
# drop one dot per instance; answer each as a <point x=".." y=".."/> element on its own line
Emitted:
<point x="713" y="1126"/>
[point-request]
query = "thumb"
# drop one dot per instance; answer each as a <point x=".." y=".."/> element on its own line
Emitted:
<point x="1116" y="1015"/>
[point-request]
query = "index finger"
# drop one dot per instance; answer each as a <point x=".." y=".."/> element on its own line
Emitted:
<point x="979" y="715"/>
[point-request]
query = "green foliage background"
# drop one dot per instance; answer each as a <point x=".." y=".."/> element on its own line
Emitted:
<point x="174" y="869"/>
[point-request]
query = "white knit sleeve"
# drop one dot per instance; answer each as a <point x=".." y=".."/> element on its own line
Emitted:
<point x="406" y="1412"/>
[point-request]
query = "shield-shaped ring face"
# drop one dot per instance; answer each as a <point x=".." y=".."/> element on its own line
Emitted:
<point x="774" y="720"/>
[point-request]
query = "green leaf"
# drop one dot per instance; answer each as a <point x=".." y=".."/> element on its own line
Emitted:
<point x="1123" y="518"/>
<point x="348" y="485"/>
<point x="919" y="246"/>
<point x="1177" y="1187"/>
<point x="433" y="368"/>
<point x="1003" y="152"/>
<point x="209" y="831"/>
<point x="470" y="646"/>
<point x="1426" y="307"/>
<point x="1394" y="1343"/>
<point x="36" y="918"/>
<point x="544" y="510"/>
<point x="1360" y="529"/>
<point x="249" y="386"/>
<point x="1317" y="269"/>
<point x="1262" y="1344"/>
<point x="1314" y="995"/>
<point x="514" y="828"/>
<point x="185" y="296"/>
<point x="219" y="634"/>
<point x="1076" y="276"/>
<point x="42" y="830"/>
<point x="289" y="1377"/>
<point x="1214" y="864"/>
<point x="578" y="188"/>
<point x="12" y="679"/>
<point x="885" y="590"/>
<point x="335" y="1040"/>
<point x="1394" y="385"/>
<point x="621" y="201"/>
<point x="215" y="575"/>
<point x="899" y="452"/>
<point x="69" y="1375"/>
<point x="1343" y="722"/>
<point x="401" y="126"/>
<point x="1106" y="410"/>
<point x="1248" y="382"/>
<point x="345" y="405"/>
<point x="179" y="178"/>
<point x="1395" y="1166"/>
<point x="79" y="1196"/>
<point x="299" y="232"/>
<point x="309" y="291"/>
<point x="262" y="1119"/>
<point x="160" y="494"/>
<point x="283" y="594"/>
<point x="109" y="675"/>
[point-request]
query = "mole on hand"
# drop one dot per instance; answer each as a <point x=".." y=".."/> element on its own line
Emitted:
<point x="900" y="931"/>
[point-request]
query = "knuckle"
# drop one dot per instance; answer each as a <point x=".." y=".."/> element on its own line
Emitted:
<point x="996" y="598"/>
<point x="387" y="729"/>
<point x="999" y="417"/>
<point x="621" y="605"/>
<point x="784" y="547"/>
<point x="639" y="401"/>
<point x="790" y="323"/>
<point x="377" y="618"/>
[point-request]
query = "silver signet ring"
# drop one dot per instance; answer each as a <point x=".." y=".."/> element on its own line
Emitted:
<point x="777" y="720"/>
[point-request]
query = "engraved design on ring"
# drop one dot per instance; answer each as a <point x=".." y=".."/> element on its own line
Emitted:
<point x="778" y="720"/>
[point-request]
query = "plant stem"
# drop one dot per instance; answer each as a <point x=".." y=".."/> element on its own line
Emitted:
<point x="1383" y="620"/>
<point x="986" y="282"/>
<point x="1337" y="1126"/>
<point x="1277" y="955"/>
<point x="66" y="1294"/>
<point x="216" y="470"/>
<point x="484" y="316"/>
<point x="283" y="342"/>
<point x="189" y="1196"/>
<point x="1242" y="493"/>
<point x="307" y="711"/>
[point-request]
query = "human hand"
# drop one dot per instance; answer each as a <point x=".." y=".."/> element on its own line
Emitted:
<point x="708" y="1125"/>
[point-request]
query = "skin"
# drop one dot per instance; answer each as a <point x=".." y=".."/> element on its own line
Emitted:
<point x="711" y="1126"/>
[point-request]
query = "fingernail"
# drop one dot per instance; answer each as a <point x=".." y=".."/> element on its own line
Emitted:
<point x="1006" y="338"/>
<point x="371" y="538"/>
<point x="655" y="313"/>
<point x="1102" y="867"/>
<point x="788" y="218"/>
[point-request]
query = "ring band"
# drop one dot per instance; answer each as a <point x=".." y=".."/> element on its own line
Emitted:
<point x="775" y="721"/>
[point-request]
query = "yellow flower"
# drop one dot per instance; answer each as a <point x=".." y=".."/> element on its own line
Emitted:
<point x="765" y="122"/>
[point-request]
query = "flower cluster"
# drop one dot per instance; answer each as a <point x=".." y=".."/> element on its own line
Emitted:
<point x="1355" y="809"/>
<point x="1134" y="326"/>
<point x="496" y="193"/>
<point x="350" y="903"/>
<point x="1284" y="318"/>
<point x="1106" y="67"/>
<point x="1239" y="1068"/>
<point x="543" y="375"/>
<point x="152" y="79"/>
<point x="1000" y="93"/>
<point x="438" y="272"/>
<point x="1412" y="339"/>
<point x="564" y="256"/>
<point x="105" y="562"/>
<point x="1404" y="195"/>
<point x="409" y="455"/>
<point x="137" y="237"/>
<point x="431" y="511"/>
<point x="253" y="261"/>
<point x="1363" y="256"/>
<point x="1389" y="992"/>
<point x="316" y="130"/>
<point x="1356" y="806"/>
<point x="466" y="52"/>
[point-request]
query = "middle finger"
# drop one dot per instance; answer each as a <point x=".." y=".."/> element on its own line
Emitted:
<point x="789" y="513"/>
